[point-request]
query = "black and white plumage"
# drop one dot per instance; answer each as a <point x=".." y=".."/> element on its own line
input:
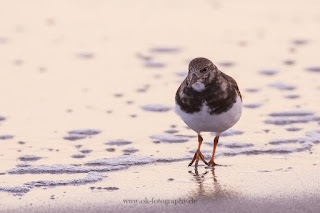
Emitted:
<point x="208" y="101"/>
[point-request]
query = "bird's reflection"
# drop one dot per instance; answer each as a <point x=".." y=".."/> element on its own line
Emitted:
<point x="209" y="190"/>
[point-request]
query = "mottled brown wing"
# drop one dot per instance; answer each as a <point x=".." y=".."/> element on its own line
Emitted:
<point x="234" y="84"/>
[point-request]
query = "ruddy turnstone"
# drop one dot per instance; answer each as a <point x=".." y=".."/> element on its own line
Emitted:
<point x="208" y="101"/>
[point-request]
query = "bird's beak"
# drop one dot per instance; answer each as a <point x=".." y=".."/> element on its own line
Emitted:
<point x="193" y="79"/>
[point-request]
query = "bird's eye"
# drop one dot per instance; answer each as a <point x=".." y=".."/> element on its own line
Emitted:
<point x="204" y="70"/>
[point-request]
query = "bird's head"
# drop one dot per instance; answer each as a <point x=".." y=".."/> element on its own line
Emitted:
<point x="201" y="72"/>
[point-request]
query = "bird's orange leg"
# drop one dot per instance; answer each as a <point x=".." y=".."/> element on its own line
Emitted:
<point x="198" y="154"/>
<point x="216" y="140"/>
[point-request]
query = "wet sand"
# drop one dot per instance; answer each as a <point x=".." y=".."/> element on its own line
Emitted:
<point x="87" y="121"/>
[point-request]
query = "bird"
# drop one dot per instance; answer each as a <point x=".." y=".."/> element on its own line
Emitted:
<point x="208" y="100"/>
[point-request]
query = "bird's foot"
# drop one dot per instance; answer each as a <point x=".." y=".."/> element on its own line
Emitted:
<point x="212" y="164"/>
<point x="196" y="157"/>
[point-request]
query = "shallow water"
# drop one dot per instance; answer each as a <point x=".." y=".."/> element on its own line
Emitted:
<point x="87" y="102"/>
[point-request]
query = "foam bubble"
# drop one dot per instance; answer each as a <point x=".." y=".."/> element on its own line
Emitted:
<point x="252" y="89"/>
<point x="313" y="69"/>
<point x="299" y="41"/>
<point x="85" y="151"/>
<point x="156" y="107"/>
<point x="267" y="150"/>
<point x="78" y="156"/>
<point x="130" y="150"/>
<point x="6" y="137"/>
<point x="165" y="49"/>
<point x="23" y="165"/>
<point x="61" y="168"/>
<point x="90" y="178"/>
<point x="74" y="137"/>
<point x="282" y="86"/>
<point x="29" y="158"/>
<point x="122" y="160"/>
<point x="169" y="138"/>
<point x="252" y="105"/>
<point x="230" y="132"/>
<point x="292" y="96"/>
<point x="130" y="160"/>
<point x="226" y="63"/>
<point x="85" y="131"/>
<point x="154" y="64"/>
<point x="268" y="72"/>
<point x="182" y="74"/>
<point x="314" y="133"/>
<point x="292" y="113"/>
<point x="118" y="142"/>
<point x="85" y="55"/>
<point x="110" y="188"/>
<point x="231" y="144"/>
<point x="291" y="120"/>
<point x="279" y="141"/>
<point x="293" y="129"/>
<point x="171" y="131"/>
<point x="15" y="189"/>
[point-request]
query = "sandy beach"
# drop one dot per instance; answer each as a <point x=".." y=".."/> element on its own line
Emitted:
<point x="87" y="121"/>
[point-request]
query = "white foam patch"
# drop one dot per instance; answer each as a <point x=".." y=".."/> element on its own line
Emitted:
<point x="169" y="138"/>
<point x="130" y="150"/>
<point x="122" y="160"/>
<point x="231" y="144"/>
<point x="268" y="150"/>
<point x="29" y="158"/>
<point x="16" y="189"/>
<point x="118" y="142"/>
<point x="62" y="168"/>
<point x="6" y="137"/>
<point x="300" y="41"/>
<point x="292" y="96"/>
<point x="154" y="64"/>
<point x="165" y="49"/>
<point x="252" y="105"/>
<point x="313" y="69"/>
<point x="78" y="156"/>
<point x="85" y="151"/>
<point x="230" y="132"/>
<point x="74" y="137"/>
<point x="292" y="113"/>
<point x="292" y="120"/>
<point x="293" y="129"/>
<point x="23" y="165"/>
<point x="85" y="55"/>
<point x="85" y="131"/>
<point x="130" y="160"/>
<point x="226" y="63"/>
<point x="156" y="108"/>
<point x="256" y="151"/>
<point x="90" y="178"/>
<point x="315" y="134"/>
<point x="282" y="86"/>
<point x="268" y="72"/>
<point x="279" y="141"/>
<point x="171" y="131"/>
<point x="182" y="74"/>
<point x="252" y="90"/>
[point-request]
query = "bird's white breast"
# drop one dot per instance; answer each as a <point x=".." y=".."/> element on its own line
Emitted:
<point x="204" y="122"/>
